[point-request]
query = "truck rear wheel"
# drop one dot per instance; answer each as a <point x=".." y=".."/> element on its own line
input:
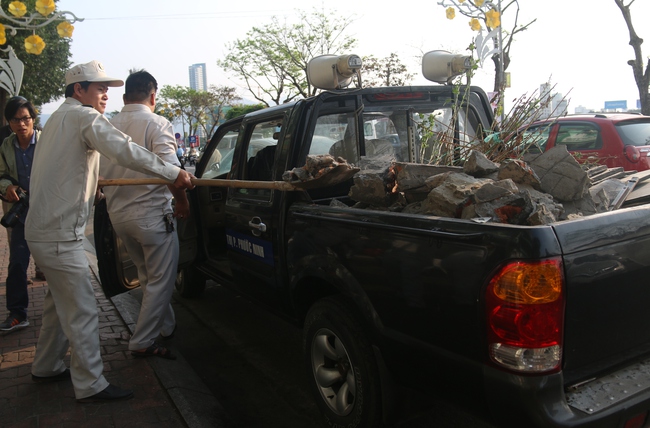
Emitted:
<point x="190" y="282"/>
<point x="341" y="368"/>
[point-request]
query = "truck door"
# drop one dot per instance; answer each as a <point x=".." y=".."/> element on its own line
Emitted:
<point x="253" y="214"/>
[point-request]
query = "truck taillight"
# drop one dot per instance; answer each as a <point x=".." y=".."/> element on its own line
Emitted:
<point x="525" y="315"/>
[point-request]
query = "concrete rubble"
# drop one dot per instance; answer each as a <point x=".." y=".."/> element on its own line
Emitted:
<point x="549" y="188"/>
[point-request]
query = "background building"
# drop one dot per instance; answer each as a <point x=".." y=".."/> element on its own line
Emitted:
<point x="556" y="104"/>
<point x="198" y="77"/>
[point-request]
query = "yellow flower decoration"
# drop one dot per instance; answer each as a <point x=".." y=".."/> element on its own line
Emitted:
<point x="34" y="44"/>
<point x="475" y="24"/>
<point x="45" y="7"/>
<point x="3" y="35"/>
<point x="493" y="19"/>
<point x="65" y="29"/>
<point x="479" y="3"/>
<point x="451" y="13"/>
<point x="17" y="8"/>
<point x="461" y="1"/>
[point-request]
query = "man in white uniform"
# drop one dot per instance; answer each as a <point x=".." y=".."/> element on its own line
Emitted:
<point x="142" y="215"/>
<point x="62" y="191"/>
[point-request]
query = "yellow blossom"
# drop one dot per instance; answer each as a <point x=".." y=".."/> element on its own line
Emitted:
<point x="474" y="24"/>
<point x="34" y="44"/>
<point x="461" y="1"/>
<point x="3" y="35"/>
<point x="65" y="29"/>
<point x="493" y="19"/>
<point x="45" y="7"/>
<point x="17" y="8"/>
<point x="479" y="3"/>
<point x="451" y="13"/>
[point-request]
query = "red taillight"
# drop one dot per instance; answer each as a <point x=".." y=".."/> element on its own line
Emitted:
<point x="632" y="153"/>
<point x="636" y="422"/>
<point x="525" y="315"/>
<point x="399" y="96"/>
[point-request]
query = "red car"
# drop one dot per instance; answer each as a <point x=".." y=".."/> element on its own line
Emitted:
<point x="612" y="139"/>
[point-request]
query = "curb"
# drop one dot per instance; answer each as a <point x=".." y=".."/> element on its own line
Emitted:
<point x="193" y="399"/>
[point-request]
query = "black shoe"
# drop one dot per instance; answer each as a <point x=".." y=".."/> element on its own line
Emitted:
<point x="64" y="375"/>
<point x="14" y="322"/>
<point x="110" y="393"/>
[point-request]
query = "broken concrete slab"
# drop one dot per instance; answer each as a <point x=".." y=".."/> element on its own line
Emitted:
<point x="519" y="172"/>
<point x="604" y="192"/>
<point x="371" y="188"/>
<point x="410" y="176"/>
<point x="448" y="198"/>
<point x="478" y="165"/>
<point x="561" y="175"/>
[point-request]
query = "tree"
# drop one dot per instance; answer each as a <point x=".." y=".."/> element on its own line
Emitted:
<point x="53" y="62"/>
<point x="197" y="109"/>
<point x="387" y="71"/>
<point x="641" y="76"/>
<point x="486" y="12"/>
<point x="222" y="97"/>
<point x="177" y="103"/>
<point x="242" y="109"/>
<point x="272" y="60"/>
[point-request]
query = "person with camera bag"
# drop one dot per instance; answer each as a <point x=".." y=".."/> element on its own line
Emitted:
<point x="16" y="156"/>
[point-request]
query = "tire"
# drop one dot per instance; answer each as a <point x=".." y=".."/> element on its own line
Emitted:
<point x="190" y="282"/>
<point x="341" y="368"/>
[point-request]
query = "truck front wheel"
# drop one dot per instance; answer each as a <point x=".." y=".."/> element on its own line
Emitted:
<point x="341" y="369"/>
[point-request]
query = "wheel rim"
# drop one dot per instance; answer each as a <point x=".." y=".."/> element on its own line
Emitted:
<point x="333" y="372"/>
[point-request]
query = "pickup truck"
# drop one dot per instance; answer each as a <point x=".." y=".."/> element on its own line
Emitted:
<point x="527" y="326"/>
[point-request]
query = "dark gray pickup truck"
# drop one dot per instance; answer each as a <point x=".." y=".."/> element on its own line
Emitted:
<point x="530" y="326"/>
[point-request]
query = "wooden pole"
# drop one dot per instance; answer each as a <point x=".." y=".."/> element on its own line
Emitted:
<point x="237" y="184"/>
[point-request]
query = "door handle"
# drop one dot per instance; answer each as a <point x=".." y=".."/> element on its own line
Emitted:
<point x="257" y="225"/>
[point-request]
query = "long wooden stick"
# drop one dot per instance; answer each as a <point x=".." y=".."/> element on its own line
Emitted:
<point x="238" y="184"/>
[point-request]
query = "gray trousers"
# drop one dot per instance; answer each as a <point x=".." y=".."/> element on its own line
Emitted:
<point x="70" y="317"/>
<point x="154" y="252"/>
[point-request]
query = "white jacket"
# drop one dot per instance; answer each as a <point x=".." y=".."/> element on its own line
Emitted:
<point x="66" y="166"/>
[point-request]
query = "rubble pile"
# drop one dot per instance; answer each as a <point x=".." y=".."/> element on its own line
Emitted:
<point x="549" y="188"/>
<point x="315" y="167"/>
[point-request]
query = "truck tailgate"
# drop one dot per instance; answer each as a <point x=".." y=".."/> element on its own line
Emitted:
<point x="607" y="267"/>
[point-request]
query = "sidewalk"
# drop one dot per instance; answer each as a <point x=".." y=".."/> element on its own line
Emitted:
<point x="161" y="396"/>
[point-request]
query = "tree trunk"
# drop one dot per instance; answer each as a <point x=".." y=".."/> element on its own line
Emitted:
<point x="641" y="78"/>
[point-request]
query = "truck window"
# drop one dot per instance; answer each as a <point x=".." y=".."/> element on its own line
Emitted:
<point x="260" y="156"/>
<point x="335" y="134"/>
<point x="221" y="158"/>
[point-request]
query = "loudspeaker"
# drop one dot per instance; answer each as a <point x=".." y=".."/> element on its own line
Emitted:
<point x="333" y="71"/>
<point x="442" y="66"/>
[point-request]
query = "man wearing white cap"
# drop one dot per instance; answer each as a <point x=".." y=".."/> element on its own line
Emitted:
<point x="62" y="192"/>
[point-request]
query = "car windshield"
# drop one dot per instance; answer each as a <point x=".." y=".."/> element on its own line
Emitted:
<point x="634" y="133"/>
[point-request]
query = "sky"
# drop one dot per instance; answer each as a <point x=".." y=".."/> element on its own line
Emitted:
<point x="580" y="46"/>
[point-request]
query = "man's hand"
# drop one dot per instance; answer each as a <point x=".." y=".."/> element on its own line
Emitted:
<point x="99" y="195"/>
<point x="11" y="195"/>
<point x="182" y="207"/>
<point x="184" y="180"/>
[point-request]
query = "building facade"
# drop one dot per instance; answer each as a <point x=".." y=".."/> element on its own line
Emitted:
<point x="198" y="77"/>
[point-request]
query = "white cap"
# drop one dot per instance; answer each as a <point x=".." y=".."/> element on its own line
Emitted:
<point x="90" y="72"/>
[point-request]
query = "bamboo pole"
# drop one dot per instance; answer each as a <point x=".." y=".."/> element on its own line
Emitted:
<point x="237" y="184"/>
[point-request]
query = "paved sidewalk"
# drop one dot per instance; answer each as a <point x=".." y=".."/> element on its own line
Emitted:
<point x="26" y="404"/>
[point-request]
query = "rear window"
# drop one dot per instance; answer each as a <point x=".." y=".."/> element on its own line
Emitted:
<point x="579" y="136"/>
<point x="634" y="133"/>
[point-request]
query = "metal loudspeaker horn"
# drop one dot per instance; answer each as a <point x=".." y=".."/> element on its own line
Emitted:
<point x="334" y="71"/>
<point x="442" y="66"/>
